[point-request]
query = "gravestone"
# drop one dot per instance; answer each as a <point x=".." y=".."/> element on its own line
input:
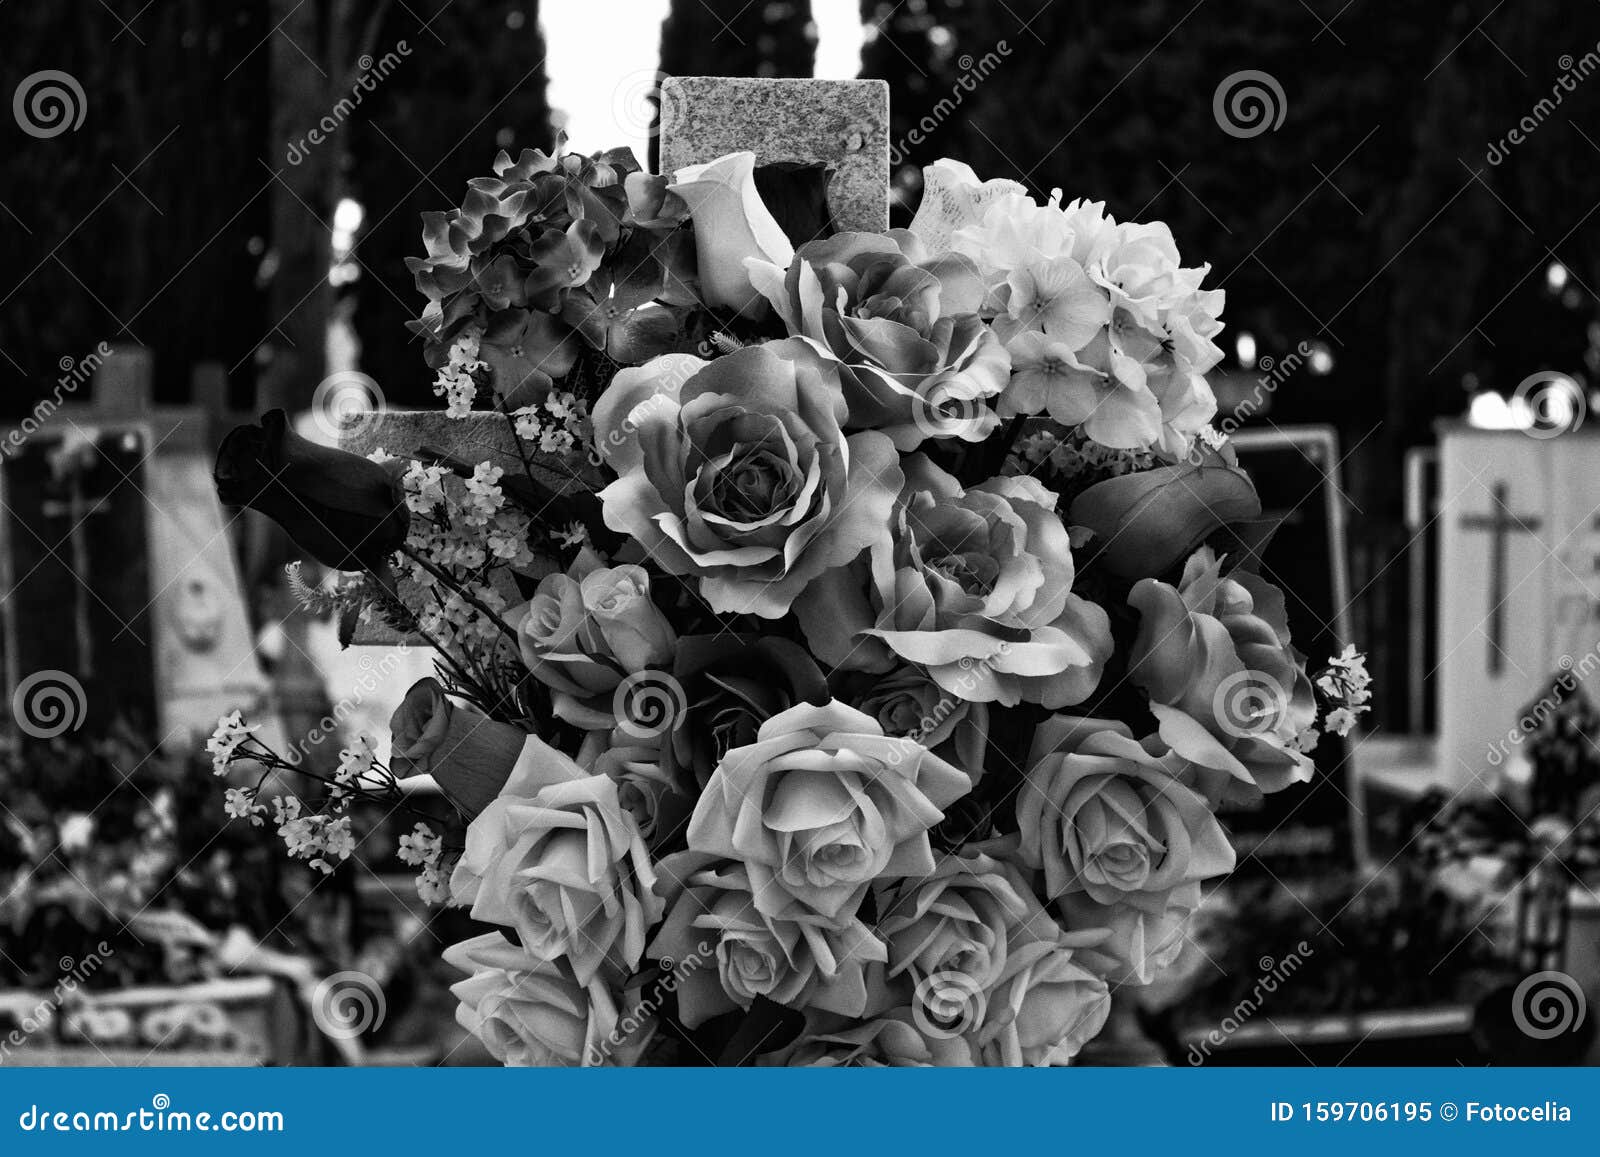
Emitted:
<point x="74" y="577"/>
<point x="841" y="123"/>
<point x="1296" y="471"/>
<point x="1519" y="583"/>
<point x="160" y="624"/>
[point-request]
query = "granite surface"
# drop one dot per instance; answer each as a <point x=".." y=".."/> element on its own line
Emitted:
<point x="843" y="123"/>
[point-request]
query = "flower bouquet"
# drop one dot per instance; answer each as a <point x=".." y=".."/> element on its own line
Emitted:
<point x="847" y="661"/>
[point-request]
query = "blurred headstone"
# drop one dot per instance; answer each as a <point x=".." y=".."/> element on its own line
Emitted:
<point x="1519" y="583"/>
<point x="178" y="642"/>
<point x="1296" y="468"/>
<point x="76" y="579"/>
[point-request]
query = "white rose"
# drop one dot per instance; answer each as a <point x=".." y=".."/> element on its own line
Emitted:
<point x="731" y="223"/>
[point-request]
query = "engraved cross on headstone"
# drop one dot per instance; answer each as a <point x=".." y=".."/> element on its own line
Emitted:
<point x="1499" y="522"/>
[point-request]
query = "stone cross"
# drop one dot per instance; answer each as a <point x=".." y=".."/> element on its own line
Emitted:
<point x="1498" y="522"/>
<point x="842" y="123"/>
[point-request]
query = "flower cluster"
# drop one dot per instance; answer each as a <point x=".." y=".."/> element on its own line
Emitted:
<point x="800" y="715"/>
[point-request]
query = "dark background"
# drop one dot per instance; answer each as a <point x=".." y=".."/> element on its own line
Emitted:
<point x="1370" y="220"/>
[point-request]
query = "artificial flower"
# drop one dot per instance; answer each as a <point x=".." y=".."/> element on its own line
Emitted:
<point x="530" y="1012"/>
<point x="1102" y="814"/>
<point x="732" y="684"/>
<point x="344" y="510"/>
<point x="908" y="702"/>
<point x="799" y="958"/>
<point x="975" y="584"/>
<point x="565" y="867"/>
<point x="1229" y="689"/>
<point x="1149" y="521"/>
<point x="583" y="632"/>
<point x="893" y="1040"/>
<point x="731" y="224"/>
<point x="822" y="804"/>
<point x="738" y="472"/>
<point x="468" y="754"/>
<point x="915" y="360"/>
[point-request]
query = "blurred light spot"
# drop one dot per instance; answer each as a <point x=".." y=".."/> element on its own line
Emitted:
<point x="1321" y="359"/>
<point x="1555" y="276"/>
<point x="1244" y="347"/>
<point x="1490" y="411"/>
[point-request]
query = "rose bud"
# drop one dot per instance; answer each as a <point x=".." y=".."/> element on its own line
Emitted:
<point x="344" y="510"/>
<point x="470" y="755"/>
<point x="1149" y="522"/>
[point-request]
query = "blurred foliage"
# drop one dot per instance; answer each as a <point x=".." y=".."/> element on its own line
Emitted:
<point x="96" y="832"/>
<point x="146" y="222"/>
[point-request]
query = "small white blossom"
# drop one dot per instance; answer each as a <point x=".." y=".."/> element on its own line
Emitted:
<point x="225" y="740"/>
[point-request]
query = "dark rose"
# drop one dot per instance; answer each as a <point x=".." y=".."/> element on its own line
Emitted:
<point x="470" y="755"/>
<point x="343" y="510"/>
<point x="732" y="684"/>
